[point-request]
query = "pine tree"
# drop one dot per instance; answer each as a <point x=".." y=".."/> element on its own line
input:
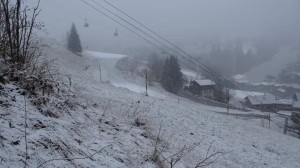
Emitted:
<point x="73" y="41"/>
<point x="172" y="77"/>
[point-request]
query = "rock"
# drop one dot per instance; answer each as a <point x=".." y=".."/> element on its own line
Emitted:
<point x="16" y="142"/>
<point x="140" y="121"/>
<point x="144" y="135"/>
<point x="39" y="125"/>
<point x="22" y="93"/>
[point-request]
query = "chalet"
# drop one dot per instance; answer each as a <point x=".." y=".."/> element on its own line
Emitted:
<point x="268" y="102"/>
<point x="203" y="87"/>
<point x="296" y="105"/>
<point x="296" y="97"/>
<point x="296" y="102"/>
<point x="296" y="108"/>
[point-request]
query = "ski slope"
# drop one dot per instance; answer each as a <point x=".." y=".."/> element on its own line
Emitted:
<point x="106" y="117"/>
<point x="108" y="62"/>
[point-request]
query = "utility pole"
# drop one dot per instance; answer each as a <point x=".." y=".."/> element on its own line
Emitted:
<point x="269" y="120"/>
<point x="285" y="125"/>
<point x="146" y="75"/>
<point x="227" y="100"/>
<point x="261" y="110"/>
<point x="100" y="73"/>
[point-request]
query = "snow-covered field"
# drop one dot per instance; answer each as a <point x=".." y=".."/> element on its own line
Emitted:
<point x="102" y="120"/>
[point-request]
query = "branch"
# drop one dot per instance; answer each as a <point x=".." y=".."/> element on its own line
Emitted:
<point x="88" y="157"/>
<point x="207" y="161"/>
<point x="175" y="158"/>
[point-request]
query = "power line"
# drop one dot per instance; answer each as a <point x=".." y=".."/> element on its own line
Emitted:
<point x="141" y="35"/>
<point x="150" y="35"/>
<point x="164" y="39"/>
<point x="129" y="29"/>
<point x="161" y="37"/>
<point x="210" y="71"/>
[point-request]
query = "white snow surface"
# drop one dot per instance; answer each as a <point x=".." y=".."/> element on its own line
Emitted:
<point x="191" y="75"/>
<point x="240" y="94"/>
<point x="105" y="115"/>
<point x="205" y="82"/>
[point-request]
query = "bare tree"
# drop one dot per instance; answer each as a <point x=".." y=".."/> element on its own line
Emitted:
<point x="171" y="161"/>
<point x="19" y="49"/>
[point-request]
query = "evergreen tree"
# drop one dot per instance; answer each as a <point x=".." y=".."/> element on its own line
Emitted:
<point x="172" y="77"/>
<point x="240" y="58"/>
<point x="156" y="64"/>
<point x="73" y="41"/>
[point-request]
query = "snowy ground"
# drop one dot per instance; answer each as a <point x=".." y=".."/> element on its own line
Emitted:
<point x="105" y="115"/>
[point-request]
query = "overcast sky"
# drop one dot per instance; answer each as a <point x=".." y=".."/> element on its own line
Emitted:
<point x="181" y="21"/>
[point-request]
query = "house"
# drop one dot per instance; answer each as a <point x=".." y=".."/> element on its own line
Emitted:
<point x="296" y="105"/>
<point x="268" y="102"/>
<point x="296" y="108"/>
<point x="296" y="97"/>
<point x="203" y="87"/>
<point x="296" y="117"/>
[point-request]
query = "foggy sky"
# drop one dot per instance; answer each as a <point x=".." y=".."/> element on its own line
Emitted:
<point x="183" y="22"/>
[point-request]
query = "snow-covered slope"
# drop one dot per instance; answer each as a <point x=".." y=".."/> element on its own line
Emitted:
<point x="104" y="115"/>
<point x="274" y="66"/>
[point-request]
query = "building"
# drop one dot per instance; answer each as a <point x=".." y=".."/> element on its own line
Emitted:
<point x="296" y="108"/>
<point x="203" y="87"/>
<point x="296" y="97"/>
<point x="268" y="102"/>
<point x="296" y="102"/>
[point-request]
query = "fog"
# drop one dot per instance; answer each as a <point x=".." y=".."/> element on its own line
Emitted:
<point x="186" y="23"/>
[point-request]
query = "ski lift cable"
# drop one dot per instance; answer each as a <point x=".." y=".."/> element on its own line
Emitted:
<point x="124" y="20"/>
<point x="164" y="39"/>
<point x="109" y="27"/>
<point x="134" y="26"/>
<point x="84" y="1"/>
<point x="137" y="33"/>
<point x="148" y="35"/>
<point x="124" y="26"/>
<point x="193" y="62"/>
<point x="161" y="37"/>
<point x="211" y="71"/>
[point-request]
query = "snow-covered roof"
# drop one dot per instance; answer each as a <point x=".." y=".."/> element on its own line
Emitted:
<point x="286" y="101"/>
<point x="241" y="94"/>
<point x="296" y="104"/>
<point x="191" y="74"/>
<point x="268" y="99"/>
<point x="205" y="82"/>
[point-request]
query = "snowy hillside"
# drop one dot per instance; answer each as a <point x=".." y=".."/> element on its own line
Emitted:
<point x="274" y="66"/>
<point x="112" y="124"/>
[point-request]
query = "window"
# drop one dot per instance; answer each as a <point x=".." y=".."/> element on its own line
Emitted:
<point x="208" y="93"/>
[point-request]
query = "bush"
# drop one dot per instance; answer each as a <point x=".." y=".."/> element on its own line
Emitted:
<point x="21" y="50"/>
<point x="172" y="77"/>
